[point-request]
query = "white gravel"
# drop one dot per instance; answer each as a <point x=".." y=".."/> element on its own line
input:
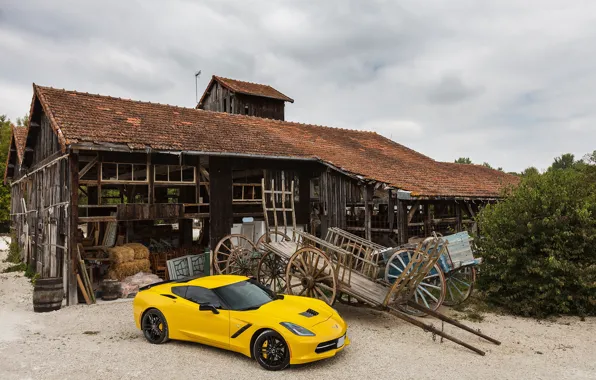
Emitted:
<point x="101" y="342"/>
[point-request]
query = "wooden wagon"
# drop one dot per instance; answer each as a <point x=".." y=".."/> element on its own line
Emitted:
<point x="298" y="263"/>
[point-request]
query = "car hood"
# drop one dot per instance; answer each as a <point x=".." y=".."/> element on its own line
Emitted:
<point x="306" y="312"/>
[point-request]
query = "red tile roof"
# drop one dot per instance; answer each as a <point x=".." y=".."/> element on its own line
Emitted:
<point x="248" y="88"/>
<point x="20" y="136"/>
<point x="81" y="117"/>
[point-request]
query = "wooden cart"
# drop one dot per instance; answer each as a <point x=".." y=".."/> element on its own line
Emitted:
<point x="391" y="263"/>
<point x="303" y="264"/>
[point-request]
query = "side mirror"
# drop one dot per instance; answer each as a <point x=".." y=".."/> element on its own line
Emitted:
<point x="208" y="307"/>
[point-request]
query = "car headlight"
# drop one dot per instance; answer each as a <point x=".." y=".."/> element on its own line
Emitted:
<point x="296" y="329"/>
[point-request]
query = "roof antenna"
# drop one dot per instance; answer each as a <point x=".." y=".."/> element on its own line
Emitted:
<point x="197" y="75"/>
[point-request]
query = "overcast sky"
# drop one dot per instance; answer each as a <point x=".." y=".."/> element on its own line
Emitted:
<point x="497" y="81"/>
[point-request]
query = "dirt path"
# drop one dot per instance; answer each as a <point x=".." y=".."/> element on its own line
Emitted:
<point x="101" y="342"/>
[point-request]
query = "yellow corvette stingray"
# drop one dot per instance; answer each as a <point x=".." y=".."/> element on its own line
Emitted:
<point x="239" y="314"/>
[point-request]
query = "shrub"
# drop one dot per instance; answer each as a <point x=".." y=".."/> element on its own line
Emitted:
<point x="14" y="251"/>
<point x="539" y="245"/>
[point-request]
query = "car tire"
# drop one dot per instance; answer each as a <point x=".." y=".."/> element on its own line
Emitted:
<point x="155" y="327"/>
<point x="271" y="351"/>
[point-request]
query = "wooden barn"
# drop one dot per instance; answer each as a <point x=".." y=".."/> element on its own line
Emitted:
<point x="99" y="171"/>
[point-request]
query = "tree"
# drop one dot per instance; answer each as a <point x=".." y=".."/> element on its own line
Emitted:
<point x="530" y="171"/>
<point x="487" y="165"/>
<point x="5" y="135"/>
<point x="23" y="121"/>
<point x="565" y="161"/>
<point x="538" y="245"/>
<point x="463" y="160"/>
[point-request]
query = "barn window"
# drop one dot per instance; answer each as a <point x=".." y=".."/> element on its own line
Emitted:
<point x="119" y="172"/>
<point x="175" y="173"/>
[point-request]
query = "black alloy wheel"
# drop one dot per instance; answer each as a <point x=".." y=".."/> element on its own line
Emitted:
<point x="154" y="326"/>
<point x="271" y="351"/>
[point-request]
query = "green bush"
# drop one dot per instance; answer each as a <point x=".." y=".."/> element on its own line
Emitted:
<point x="539" y="245"/>
<point x="14" y="251"/>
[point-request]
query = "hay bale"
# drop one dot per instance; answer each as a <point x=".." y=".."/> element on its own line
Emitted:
<point x="121" y="255"/>
<point x="141" y="252"/>
<point x="122" y="270"/>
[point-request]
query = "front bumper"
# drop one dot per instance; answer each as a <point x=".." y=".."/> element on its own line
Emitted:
<point x="321" y="346"/>
<point x="307" y="353"/>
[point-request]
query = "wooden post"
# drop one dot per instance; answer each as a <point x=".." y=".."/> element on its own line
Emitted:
<point x="303" y="209"/>
<point x="390" y="211"/>
<point x="427" y="219"/>
<point x="220" y="204"/>
<point x="72" y="298"/>
<point x="368" y="196"/>
<point x="458" y="217"/>
<point x="150" y="189"/>
<point x="402" y="222"/>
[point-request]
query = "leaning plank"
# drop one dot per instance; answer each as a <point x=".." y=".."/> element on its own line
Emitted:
<point x="83" y="269"/>
<point x="83" y="291"/>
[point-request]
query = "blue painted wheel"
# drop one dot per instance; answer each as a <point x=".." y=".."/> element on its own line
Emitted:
<point x="460" y="283"/>
<point x="431" y="291"/>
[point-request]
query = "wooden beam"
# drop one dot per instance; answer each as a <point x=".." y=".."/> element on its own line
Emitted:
<point x="458" y="217"/>
<point x="428" y="327"/>
<point x="451" y="321"/>
<point x="73" y="227"/>
<point x="413" y="211"/>
<point x="83" y="291"/>
<point x="87" y="167"/>
<point x="151" y="189"/>
<point x="220" y="203"/>
<point x="368" y="195"/>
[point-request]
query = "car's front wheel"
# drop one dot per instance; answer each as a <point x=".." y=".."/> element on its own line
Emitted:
<point x="271" y="351"/>
<point x="154" y="326"/>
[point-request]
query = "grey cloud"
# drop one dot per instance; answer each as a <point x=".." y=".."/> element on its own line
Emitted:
<point x="498" y="81"/>
<point x="451" y="89"/>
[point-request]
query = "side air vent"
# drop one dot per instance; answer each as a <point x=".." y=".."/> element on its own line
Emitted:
<point x="309" y="313"/>
<point x="169" y="296"/>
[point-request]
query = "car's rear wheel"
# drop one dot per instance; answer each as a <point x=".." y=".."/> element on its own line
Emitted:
<point x="271" y="351"/>
<point x="154" y="326"/>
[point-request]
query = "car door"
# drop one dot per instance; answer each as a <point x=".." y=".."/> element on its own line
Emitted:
<point x="204" y="326"/>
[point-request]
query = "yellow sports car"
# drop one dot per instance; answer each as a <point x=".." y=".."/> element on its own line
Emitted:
<point x="238" y="313"/>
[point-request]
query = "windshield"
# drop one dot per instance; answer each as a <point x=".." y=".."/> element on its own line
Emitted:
<point x="244" y="295"/>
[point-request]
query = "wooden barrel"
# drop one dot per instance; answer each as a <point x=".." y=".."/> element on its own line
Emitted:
<point x="110" y="290"/>
<point x="47" y="294"/>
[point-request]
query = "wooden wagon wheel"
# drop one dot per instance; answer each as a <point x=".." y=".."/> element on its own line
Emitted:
<point x="431" y="291"/>
<point x="459" y="283"/>
<point x="310" y="273"/>
<point x="271" y="271"/>
<point x="235" y="253"/>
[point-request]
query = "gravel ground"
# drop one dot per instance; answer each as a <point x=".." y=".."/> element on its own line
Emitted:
<point x="101" y="342"/>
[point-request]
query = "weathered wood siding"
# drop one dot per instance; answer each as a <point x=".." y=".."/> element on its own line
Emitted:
<point x="220" y="99"/>
<point x="40" y="205"/>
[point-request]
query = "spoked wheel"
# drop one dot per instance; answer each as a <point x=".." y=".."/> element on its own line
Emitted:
<point x="271" y="351"/>
<point x="431" y="291"/>
<point x="310" y="273"/>
<point x="155" y="327"/>
<point x="234" y="253"/>
<point x="272" y="272"/>
<point x="459" y="283"/>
